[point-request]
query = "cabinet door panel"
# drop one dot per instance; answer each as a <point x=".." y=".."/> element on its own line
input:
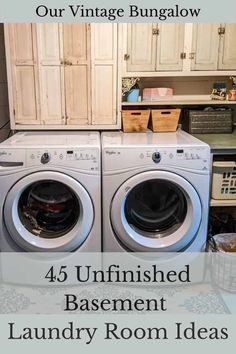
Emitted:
<point x="21" y="41"/>
<point x="25" y="96"/>
<point x="51" y="74"/>
<point x="76" y="42"/>
<point x="104" y="73"/>
<point x="77" y="73"/>
<point x="48" y="43"/>
<point x="205" y="46"/>
<point x="76" y="88"/>
<point x="170" y="44"/>
<point x="24" y="79"/>
<point x="227" y="59"/>
<point x="51" y="95"/>
<point x="103" y="99"/>
<point x="141" y="47"/>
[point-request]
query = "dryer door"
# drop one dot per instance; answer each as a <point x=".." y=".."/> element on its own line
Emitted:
<point x="156" y="211"/>
<point x="48" y="211"/>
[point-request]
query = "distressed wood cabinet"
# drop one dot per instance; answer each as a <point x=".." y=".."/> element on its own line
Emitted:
<point x="62" y="75"/>
<point x="213" y="47"/>
<point x="169" y="49"/>
<point x="155" y="47"/>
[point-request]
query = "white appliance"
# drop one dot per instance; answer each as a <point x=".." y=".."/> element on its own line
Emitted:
<point x="50" y="195"/>
<point x="155" y="192"/>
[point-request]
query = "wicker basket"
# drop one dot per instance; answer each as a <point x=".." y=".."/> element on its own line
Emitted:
<point x="135" y="120"/>
<point x="165" y="120"/>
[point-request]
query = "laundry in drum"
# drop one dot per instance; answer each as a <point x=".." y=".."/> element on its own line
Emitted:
<point x="48" y="209"/>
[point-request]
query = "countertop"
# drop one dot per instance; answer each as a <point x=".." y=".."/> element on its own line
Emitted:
<point x="220" y="143"/>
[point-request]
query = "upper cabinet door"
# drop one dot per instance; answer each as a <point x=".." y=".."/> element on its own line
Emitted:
<point x="22" y="81"/>
<point x="51" y="74"/>
<point x="77" y="73"/>
<point x="104" y="73"/>
<point x="205" y="46"/>
<point x="170" y="45"/>
<point x="227" y="57"/>
<point x="142" y="41"/>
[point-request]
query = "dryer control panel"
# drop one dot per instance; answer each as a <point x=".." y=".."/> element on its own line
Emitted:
<point x="193" y="158"/>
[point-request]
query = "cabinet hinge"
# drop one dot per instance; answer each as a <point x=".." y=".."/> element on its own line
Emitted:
<point x="191" y="55"/>
<point x="155" y="31"/>
<point x="221" y="31"/>
<point x="183" y="55"/>
<point x="126" y="57"/>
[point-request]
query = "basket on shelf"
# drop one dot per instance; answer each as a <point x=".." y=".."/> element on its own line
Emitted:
<point x="135" y="120"/>
<point x="165" y="120"/>
<point x="224" y="180"/>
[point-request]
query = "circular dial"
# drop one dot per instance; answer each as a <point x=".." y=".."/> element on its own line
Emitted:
<point x="45" y="158"/>
<point x="156" y="157"/>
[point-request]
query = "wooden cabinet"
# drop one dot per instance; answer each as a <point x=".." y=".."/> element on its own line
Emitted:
<point x="170" y="47"/>
<point x="205" y="46"/>
<point x="154" y="47"/>
<point x="213" y="47"/>
<point x="179" y="49"/>
<point x="227" y="53"/>
<point x="62" y="75"/>
<point x="104" y="73"/>
<point x="141" y="47"/>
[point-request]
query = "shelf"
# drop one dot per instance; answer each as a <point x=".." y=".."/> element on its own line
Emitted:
<point x="158" y="74"/>
<point x="222" y="203"/>
<point x="219" y="143"/>
<point x="181" y="100"/>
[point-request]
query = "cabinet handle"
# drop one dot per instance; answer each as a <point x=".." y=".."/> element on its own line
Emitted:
<point x="155" y="31"/>
<point x="182" y="55"/>
<point x="191" y="55"/>
<point x="221" y="31"/>
<point x="126" y="57"/>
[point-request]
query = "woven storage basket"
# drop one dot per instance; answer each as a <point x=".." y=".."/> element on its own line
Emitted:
<point x="165" y="120"/>
<point x="135" y="120"/>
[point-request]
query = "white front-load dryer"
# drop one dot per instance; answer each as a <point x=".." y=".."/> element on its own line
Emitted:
<point x="155" y="192"/>
<point x="50" y="195"/>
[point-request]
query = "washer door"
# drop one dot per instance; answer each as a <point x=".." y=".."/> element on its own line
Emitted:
<point x="48" y="211"/>
<point x="156" y="211"/>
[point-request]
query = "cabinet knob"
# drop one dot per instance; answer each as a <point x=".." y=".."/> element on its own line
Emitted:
<point x="126" y="57"/>
<point x="221" y="31"/>
<point x="155" y="31"/>
<point x="191" y="55"/>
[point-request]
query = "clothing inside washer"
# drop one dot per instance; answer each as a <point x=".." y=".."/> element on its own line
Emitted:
<point x="48" y="209"/>
<point x="156" y="207"/>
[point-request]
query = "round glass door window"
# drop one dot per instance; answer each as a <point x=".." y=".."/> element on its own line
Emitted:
<point x="48" y="209"/>
<point x="155" y="208"/>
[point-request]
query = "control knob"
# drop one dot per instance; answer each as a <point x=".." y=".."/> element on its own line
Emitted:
<point x="45" y="158"/>
<point x="156" y="157"/>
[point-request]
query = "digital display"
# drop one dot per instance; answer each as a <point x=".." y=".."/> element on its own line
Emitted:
<point x="180" y="151"/>
<point x="70" y="152"/>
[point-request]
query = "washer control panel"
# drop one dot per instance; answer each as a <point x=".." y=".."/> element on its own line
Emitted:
<point x="87" y="159"/>
<point x="195" y="158"/>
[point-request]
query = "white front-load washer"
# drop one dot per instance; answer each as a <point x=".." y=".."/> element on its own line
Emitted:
<point x="50" y="195"/>
<point x="155" y="192"/>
